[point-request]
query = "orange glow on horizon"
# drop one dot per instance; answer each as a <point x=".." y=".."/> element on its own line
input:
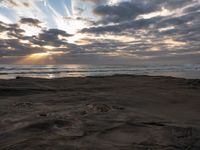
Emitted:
<point x="40" y="58"/>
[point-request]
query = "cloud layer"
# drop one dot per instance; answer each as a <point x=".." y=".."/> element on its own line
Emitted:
<point x="99" y="31"/>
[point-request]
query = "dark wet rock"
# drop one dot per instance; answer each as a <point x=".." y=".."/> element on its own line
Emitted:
<point x="97" y="107"/>
<point x="154" y="123"/>
<point x="24" y="105"/>
<point x="152" y="136"/>
<point x="47" y="125"/>
<point x="18" y="77"/>
<point x="194" y="82"/>
<point x="43" y="114"/>
<point x="118" y="107"/>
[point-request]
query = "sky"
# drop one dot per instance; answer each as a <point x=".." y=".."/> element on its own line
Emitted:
<point x="99" y="31"/>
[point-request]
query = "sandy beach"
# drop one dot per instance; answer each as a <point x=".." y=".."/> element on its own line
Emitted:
<point x="100" y="113"/>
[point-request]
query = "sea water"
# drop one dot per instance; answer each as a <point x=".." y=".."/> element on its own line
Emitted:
<point x="74" y="70"/>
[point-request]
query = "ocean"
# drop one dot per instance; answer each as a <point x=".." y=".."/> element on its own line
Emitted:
<point x="58" y="71"/>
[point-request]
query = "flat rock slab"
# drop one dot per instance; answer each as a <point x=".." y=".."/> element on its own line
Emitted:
<point x="100" y="113"/>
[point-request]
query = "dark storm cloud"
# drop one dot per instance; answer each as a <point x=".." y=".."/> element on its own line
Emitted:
<point x="12" y="30"/>
<point x="14" y="45"/>
<point x="180" y="20"/>
<point x="127" y="11"/>
<point x="52" y="34"/>
<point x="30" y="21"/>
<point x="134" y="25"/>
<point x="50" y="37"/>
<point x="122" y="12"/>
<point x="185" y="26"/>
<point x="9" y="27"/>
<point x="185" y="30"/>
<point x="152" y="35"/>
<point x="14" y="49"/>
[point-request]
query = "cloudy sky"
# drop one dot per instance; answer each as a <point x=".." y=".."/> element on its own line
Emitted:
<point x="99" y="31"/>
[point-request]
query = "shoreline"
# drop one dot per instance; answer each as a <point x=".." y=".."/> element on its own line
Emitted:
<point x="104" y="76"/>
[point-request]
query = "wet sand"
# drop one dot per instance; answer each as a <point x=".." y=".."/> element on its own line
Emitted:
<point x="100" y="113"/>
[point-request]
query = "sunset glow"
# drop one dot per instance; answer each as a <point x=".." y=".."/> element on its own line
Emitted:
<point x="40" y="58"/>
